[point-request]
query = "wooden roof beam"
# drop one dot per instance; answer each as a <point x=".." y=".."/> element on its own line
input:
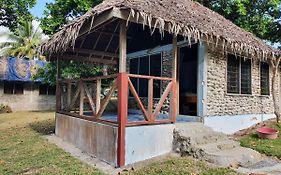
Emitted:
<point x="93" y="52"/>
<point x="103" y="18"/>
<point x="87" y="59"/>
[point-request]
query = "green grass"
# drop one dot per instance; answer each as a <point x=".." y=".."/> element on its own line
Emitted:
<point x="18" y="119"/>
<point x="181" y="166"/>
<point x="267" y="147"/>
<point x="23" y="150"/>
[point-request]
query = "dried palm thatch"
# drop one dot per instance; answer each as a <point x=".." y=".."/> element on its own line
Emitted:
<point x="185" y="17"/>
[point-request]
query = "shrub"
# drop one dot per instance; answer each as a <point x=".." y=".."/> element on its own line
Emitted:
<point x="5" y="109"/>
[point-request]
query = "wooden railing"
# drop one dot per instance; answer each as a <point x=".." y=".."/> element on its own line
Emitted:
<point x="74" y="95"/>
<point x="152" y="112"/>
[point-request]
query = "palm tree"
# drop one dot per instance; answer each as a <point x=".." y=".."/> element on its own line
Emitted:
<point x="23" y="42"/>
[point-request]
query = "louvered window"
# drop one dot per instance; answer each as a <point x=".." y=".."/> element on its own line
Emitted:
<point x="264" y="77"/>
<point x="239" y="79"/>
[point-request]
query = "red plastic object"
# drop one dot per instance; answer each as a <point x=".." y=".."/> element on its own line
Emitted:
<point x="267" y="133"/>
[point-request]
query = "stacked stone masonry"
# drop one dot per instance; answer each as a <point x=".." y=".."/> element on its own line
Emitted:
<point x="219" y="102"/>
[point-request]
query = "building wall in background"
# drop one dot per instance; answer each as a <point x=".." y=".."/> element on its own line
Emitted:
<point x="30" y="100"/>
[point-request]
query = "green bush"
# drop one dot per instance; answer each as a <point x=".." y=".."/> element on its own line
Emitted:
<point x="5" y="109"/>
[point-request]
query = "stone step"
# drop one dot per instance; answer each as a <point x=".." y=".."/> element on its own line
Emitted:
<point x="194" y="139"/>
<point x="235" y="156"/>
<point x="198" y="134"/>
<point x="220" y="146"/>
<point x="267" y="166"/>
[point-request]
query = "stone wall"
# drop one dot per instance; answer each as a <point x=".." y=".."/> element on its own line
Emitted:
<point x="30" y="100"/>
<point x="219" y="102"/>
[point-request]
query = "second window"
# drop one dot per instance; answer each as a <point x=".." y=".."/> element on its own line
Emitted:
<point x="238" y="75"/>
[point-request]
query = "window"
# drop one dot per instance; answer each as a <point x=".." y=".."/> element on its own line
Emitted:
<point x="45" y="89"/>
<point x="13" y="87"/>
<point x="148" y="65"/>
<point x="264" y="79"/>
<point x="238" y="75"/>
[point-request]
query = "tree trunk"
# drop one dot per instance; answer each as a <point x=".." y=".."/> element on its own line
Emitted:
<point x="274" y="92"/>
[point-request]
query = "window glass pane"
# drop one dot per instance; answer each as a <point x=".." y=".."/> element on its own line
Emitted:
<point x="155" y="65"/>
<point x="155" y="70"/>
<point x="143" y="70"/>
<point x="264" y="77"/>
<point x="43" y="89"/>
<point x="52" y="90"/>
<point x="18" y="89"/>
<point x="232" y="74"/>
<point x="8" y="87"/>
<point x="246" y="81"/>
<point x="134" y="64"/>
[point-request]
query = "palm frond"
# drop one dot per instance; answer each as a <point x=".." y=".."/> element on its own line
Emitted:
<point x="22" y="43"/>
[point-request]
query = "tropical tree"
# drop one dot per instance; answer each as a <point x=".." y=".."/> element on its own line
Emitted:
<point x="12" y="12"/>
<point x="23" y="42"/>
<point x="60" y="12"/>
<point x="255" y="16"/>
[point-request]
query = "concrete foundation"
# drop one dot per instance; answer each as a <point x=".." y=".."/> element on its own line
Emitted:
<point x="100" y="140"/>
<point x="230" y="124"/>
<point x="94" y="138"/>
<point x="145" y="142"/>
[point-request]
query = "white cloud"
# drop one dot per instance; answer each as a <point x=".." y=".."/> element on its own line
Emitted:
<point x="36" y="24"/>
<point x="3" y="29"/>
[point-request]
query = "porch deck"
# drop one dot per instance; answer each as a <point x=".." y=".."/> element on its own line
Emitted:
<point x="104" y="104"/>
<point x="138" y="117"/>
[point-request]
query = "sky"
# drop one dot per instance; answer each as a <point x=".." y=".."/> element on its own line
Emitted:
<point x="38" y="9"/>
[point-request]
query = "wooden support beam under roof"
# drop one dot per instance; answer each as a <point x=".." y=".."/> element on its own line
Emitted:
<point x="88" y="59"/>
<point x="103" y="18"/>
<point x="93" y="52"/>
<point x="123" y="47"/>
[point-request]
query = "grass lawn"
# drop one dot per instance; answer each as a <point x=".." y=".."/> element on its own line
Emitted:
<point x="23" y="150"/>
<point x="268" y="147"/>
<point x="182" y="166"/>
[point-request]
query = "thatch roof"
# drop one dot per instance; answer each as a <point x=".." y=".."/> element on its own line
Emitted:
<point x="185" y="17"/>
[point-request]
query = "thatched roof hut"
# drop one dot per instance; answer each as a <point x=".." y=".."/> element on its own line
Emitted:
<point x="179" y="17"/>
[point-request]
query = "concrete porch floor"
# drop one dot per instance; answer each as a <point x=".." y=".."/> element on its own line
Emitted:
<point x="134" y="116"/>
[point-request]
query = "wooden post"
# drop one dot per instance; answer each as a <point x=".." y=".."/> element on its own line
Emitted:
<point x="82" y="95"/>
<point x="58" y="89"/>
<point x="122" y="116"/>
<point x="69" y="89"/>
<point x="122" y="94"/>
<point x="98" y="93"/>
<point x="275" y="66"/>
<point x="174" y="96"/>
<point x="150" y="100"/>
<point x="122" y="47"/>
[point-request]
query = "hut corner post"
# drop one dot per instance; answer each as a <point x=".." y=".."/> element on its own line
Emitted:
<point x="275" y="65"/>
<point x="122" y="94"/>
<point x="58" y="88"/>
<point x="175" y="94"/>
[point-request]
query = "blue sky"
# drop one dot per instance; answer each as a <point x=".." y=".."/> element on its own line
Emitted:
<point x="38" y="9"/>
